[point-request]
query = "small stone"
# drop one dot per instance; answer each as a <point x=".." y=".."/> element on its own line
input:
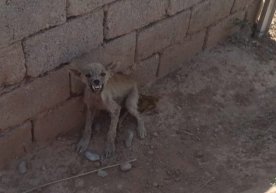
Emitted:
<point x="179" y="107"/>
<point x="102" y="173"/>
<point x="155" y="134"/>
<point x="125" y="166"/>
<point x="22" y="167"/>
<point x="120" y="186"/>
<point x="129" y="139"/>
<point x="155" y="184"/>
<point x="150" y="152"/>
<point x="61" y="139"/>
<point x="91" y="155"/>
<point x="43" y="168"/>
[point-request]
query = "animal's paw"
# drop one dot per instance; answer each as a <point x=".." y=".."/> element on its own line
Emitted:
<point x="109" y="150"/>
<point x="129" y="138"/>
<point x="142" y="132"/>
<point x="82" y="145"/>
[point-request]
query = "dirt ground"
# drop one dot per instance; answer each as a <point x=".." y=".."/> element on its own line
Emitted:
<point x="213" y="131"/>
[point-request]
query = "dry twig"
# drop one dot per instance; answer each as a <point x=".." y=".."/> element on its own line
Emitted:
<point x="73" y="177"/>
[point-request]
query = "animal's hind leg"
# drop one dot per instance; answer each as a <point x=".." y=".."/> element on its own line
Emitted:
<point x="131" y="105"/>
<point x="122" y="118"/>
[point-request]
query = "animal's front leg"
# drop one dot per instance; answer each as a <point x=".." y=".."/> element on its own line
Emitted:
<point x="86" y="135"/>
<point x="111" y="135"/>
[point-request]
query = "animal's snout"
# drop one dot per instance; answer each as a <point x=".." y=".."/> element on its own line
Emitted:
<point x="96" y="82"/>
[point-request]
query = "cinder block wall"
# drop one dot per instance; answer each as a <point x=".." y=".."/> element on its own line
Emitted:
<point x="38" y="98"/>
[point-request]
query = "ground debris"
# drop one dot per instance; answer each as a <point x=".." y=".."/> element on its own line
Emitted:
<point x="126" y="166"/>
<point x="102" y="173"/>
<point x="22" y="167"/>
<point x="91" y="155"/>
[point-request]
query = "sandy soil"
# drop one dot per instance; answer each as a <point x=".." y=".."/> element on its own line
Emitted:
<point x="213" y="131"/>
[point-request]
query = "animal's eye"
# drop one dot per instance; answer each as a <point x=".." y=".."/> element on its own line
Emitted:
<point x="103" y="74"/>
<point x="88" y="75"/>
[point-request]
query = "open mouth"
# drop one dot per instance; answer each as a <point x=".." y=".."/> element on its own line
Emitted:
<point x="96" y="87"/>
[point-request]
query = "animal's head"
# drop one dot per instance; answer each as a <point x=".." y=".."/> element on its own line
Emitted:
<point x="93" y="75"/>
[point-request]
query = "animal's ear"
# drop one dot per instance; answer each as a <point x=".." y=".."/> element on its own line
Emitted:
<point x="113" y="67"/>
<point x="73" y="69"/>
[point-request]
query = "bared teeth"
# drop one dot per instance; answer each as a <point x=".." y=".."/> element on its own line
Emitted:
<point x="97" y="87"/>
